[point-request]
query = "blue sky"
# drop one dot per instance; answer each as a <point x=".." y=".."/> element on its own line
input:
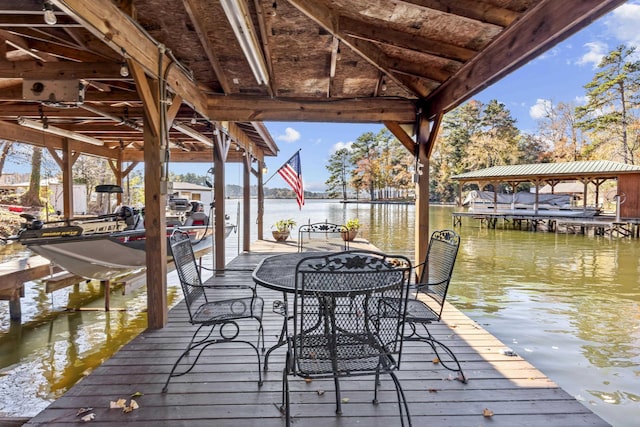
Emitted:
<point x="558" y="75"/>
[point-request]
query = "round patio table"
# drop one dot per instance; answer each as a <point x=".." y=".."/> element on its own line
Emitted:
<point x="278" y="272"/>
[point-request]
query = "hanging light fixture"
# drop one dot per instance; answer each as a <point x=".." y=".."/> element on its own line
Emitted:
<point x="124" y="67"/>
<point x="240" y="21"/>
<point x="42" y="126"/>
<point x="49" y="14"/>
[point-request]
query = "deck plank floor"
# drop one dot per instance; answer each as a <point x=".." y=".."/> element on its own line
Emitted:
<point x="222" y="389"/>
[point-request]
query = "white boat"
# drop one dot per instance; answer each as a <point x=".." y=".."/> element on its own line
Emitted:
<point x="108" y="246"/>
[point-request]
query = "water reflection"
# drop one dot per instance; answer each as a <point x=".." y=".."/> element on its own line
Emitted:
<point x="43" y="356"/>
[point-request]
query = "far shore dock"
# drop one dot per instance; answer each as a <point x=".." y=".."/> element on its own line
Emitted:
<point x="502" y="390"/>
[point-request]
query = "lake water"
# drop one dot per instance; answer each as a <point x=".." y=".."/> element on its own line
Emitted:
<point x="569" y="304"/>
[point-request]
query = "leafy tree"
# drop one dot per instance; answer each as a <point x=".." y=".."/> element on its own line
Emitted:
<point x="611" y="113"/>
<point x="339" y="168"/>
<point x="497" y="142"/>
<point x="558" y="130"/>
<point x="363" y="155"/>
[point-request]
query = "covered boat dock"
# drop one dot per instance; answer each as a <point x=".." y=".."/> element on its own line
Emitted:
<point x="550" y="212"/>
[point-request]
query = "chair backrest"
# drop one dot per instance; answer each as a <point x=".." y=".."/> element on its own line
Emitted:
<point x="349" y="310"/>
<point x="438" y="266"/>
<point x="187" y="268"/>
<point x="322" y="236"/>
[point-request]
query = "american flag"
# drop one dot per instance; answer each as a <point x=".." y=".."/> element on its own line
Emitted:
<point x="291" y="172"/>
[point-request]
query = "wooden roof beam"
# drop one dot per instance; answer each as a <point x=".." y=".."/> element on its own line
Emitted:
<point x="472" y="9"/>
<point x="250" y="108"/>
<point x="389" y="36"/>
<point x="550" y="22"/>
<point x="60" y="70"/>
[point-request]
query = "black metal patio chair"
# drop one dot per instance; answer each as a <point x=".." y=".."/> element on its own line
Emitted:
<point x="220" y="319"/>
<point x="430" y="295"/>
<point x="322" y="236"/>
<point x="348" y="320"/>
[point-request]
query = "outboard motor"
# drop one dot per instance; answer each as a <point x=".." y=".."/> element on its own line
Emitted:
<point x="130" y="216"/>
<point x="30" y="222"/>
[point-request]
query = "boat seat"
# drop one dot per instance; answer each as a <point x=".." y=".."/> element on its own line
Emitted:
<point x="197" y="218"/>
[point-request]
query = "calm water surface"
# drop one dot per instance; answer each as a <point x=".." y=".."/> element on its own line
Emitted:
<point x="569" y="304"/>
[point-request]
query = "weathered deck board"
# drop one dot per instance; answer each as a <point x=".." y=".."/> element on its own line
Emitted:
<point x="222" y="389"/>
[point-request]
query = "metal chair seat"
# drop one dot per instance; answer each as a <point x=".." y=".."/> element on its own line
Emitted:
<point x="353" y="354"/>
<point x="214" y="312"/>
<point x="419" y="312"/>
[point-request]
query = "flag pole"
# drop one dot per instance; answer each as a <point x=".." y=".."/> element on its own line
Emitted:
<point x="274" y="174"/>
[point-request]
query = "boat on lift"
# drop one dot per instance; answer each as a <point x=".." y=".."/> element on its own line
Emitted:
<point x="112" y="245"/>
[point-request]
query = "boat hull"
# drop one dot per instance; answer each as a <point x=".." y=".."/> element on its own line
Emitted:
<point x="107" y="256"/>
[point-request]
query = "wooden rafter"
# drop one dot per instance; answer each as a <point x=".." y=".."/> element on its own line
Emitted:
<point x="251" y="108"/>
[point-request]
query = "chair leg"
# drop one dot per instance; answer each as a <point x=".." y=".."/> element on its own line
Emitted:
<point x="375" y="388"/>
<point x="336" y="381"/>
<point x="435" y="344"/>
<point x="285" y="409"/>
<point x="182" y="356"/>
<point x="402" y="400"/>
<point x="203" y="344"/>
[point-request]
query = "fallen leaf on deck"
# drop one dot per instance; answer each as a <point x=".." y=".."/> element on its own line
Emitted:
<point x="320" y="392"/>
<point x="308" y="380"/>
<point x="83" y="411"/>
<point x="345" y="400"/>
<point x="120" y="403"/>
<point x="432" y="390"/>
<point x="487" y="413"/>
<point x="88" y="417"/>
<point x="137" y="394"/>
<point x="134" y="404"/>
<point x="436" y="360"/>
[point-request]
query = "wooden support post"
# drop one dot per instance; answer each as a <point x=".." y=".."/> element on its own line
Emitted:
<point x="218" y="191"/>
<point x="15" y="309"/>
<point x="154" y="199"/>
<point x="260" y="218"/>
<point x="246" y="203"/>
<point x="106" y="284"/>
<point x="426" y="137"/>
<point x="67" y="179"/>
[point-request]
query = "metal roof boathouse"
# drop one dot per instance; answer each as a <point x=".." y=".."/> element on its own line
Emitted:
<point x="592" y="174"/>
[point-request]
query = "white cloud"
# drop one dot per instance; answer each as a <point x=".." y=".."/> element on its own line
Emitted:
<point x="290" y="135"/>
<point x="540" y="108"/>
<point x="623" y="24"/>
<point x="581" y="100"/>
<point x="340" y="145"/>
<point x="596" y="51"/>
<point x="550" y="53"/>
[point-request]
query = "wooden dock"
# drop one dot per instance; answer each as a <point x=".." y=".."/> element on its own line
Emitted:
<point x="600" y="225"/>
<point x="222" y="390"/>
